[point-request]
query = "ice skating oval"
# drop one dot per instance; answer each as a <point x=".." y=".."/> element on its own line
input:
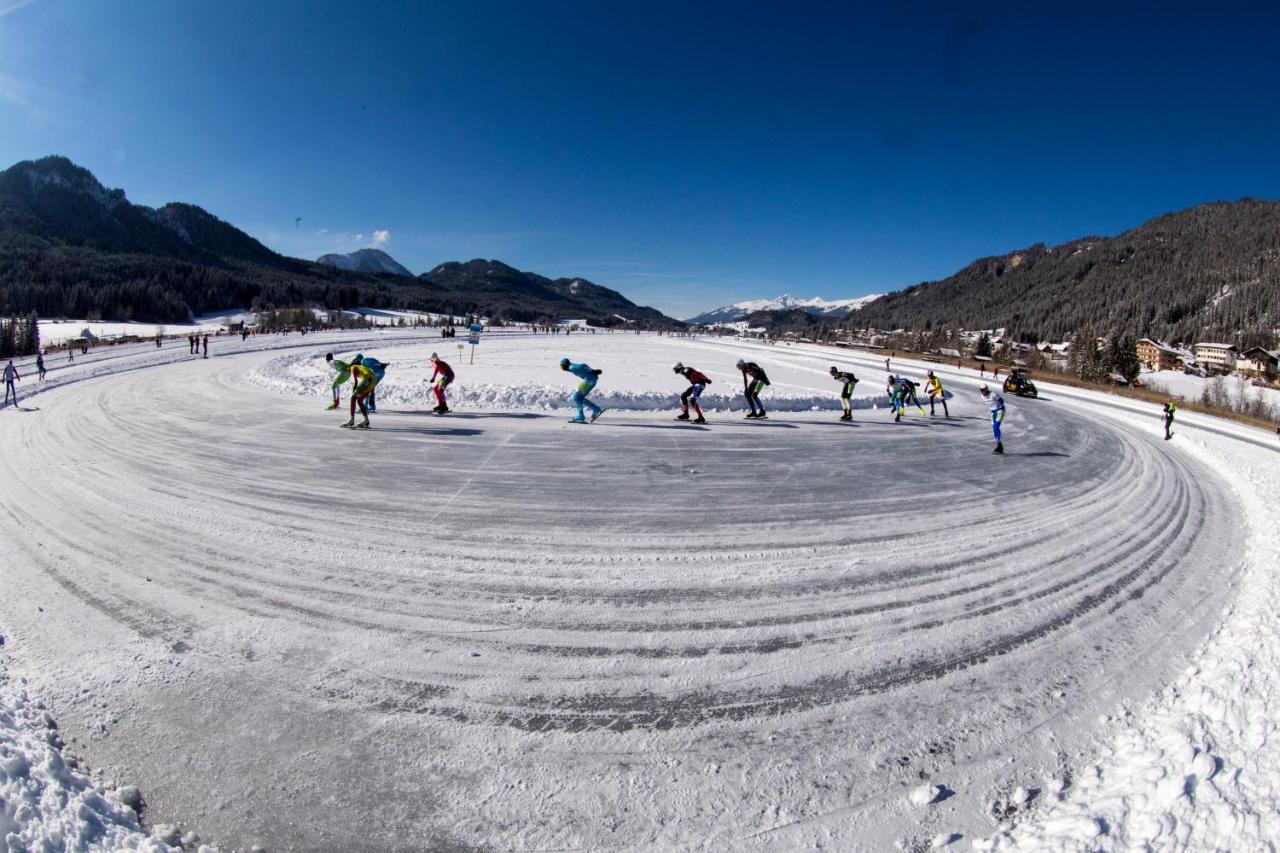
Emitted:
<point x="571" y="615"/>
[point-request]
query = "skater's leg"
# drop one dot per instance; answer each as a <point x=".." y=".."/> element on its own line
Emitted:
<point x="995" y="426"/>
<point x="439" y="392"/>
<point x="684" y="400"/>
<point x="945" y="411"/>
<point x="578" y="399"/>
<point x="756" y="388"/>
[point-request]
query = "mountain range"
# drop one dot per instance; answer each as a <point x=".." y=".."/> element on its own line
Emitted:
<point x="71" y="247"/>
<point x="365" y="260"/>
<point x="1209" y="272"/>
<point x="785" y="302"/>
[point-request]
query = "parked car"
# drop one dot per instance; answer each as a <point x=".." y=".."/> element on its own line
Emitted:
<point x="1019" y="382"/>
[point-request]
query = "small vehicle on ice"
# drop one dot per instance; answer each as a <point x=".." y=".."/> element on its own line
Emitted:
<point x="1019" y="382"/>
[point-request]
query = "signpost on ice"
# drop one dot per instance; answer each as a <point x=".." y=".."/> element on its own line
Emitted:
<point x="474" y="339"/>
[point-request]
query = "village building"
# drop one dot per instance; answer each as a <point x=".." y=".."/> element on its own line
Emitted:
<point x="1259" y="362"/>
<point x="1217" y="358"/>
<point x="1156" y="355"/>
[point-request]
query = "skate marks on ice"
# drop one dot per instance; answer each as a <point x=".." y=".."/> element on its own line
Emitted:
<point x="577" y="619"/>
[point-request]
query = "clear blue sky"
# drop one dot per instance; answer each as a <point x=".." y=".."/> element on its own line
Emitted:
<point x="687" y="154"/>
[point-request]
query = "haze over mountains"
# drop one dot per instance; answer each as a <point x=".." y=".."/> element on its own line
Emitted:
<point x="71" y="247"/>
<point x="785" y="302"/>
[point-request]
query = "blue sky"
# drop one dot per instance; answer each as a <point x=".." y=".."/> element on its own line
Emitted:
<point x="686" y="154"/>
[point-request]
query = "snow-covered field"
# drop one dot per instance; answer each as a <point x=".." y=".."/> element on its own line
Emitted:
<point x="500" y="630"/>
<point x="58" y="331"/>
<point x="1188" y="387"/>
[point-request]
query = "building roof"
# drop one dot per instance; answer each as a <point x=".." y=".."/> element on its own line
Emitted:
<point x="1216" y="346"/>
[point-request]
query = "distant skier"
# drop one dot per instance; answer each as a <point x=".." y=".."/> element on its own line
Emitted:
<point x="11" y="376"/>
<point x="933" y="385"/>
<point x="442" y="377"/>
<point x="40" y="365"/>
<point x="1169" y="410"/>
<point x="909" y="394"/>
<point x="754" y="380"/>
<point x="894" y="391"/>
<point x="379" y="370"/>
<point x="589" y="377"/>
<point x="846" y="390"/>
<point x="365" y="383"/>
<point x="698" y="382"/>
<point x="886" y="365"/>
<point x="995" y="403"/>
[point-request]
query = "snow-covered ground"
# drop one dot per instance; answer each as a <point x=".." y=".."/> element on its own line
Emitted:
<point x="518" y="372"/>
<point x="57" y="331"/>
<point x="498" y="629"/>
<point x="1189" y="387"/>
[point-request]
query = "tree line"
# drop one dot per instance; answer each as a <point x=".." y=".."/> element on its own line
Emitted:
<point x="19" y="336"/>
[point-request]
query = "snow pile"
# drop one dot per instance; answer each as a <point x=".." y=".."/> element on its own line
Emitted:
<point x="1196" y="768"/>
<point x="45" y="804"/>
<point x="498" y="383"/>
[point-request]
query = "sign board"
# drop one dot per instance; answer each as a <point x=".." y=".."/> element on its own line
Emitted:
<point x="475" y="329"/>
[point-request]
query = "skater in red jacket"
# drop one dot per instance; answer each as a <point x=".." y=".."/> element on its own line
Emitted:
<point x="698" y="381"/>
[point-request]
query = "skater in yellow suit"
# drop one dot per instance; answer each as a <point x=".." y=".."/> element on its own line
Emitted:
<point x="933" y="386"/>
<point x="366" y="380"/>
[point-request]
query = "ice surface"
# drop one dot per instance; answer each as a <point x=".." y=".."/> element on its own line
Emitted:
<point x="498" y="629"/>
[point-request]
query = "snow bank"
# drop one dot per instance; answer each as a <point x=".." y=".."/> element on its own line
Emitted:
<point x="1196" y="767"/>
<point x="498" y="382"/>
<point x="46" y="804"/>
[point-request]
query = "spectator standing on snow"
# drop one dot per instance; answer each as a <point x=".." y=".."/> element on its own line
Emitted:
<point x="848" y="380"/>
<point x="1169" y="410"/>
<point x="443" y="378"/>
<point x="933" y="385"/>
<point x="754" y="380"/>
<point x="206" y="346"/>
<point x="11" y="376"/>
<point x="996" y="405"/>
<point x="698" y="381"/>
<point x="40" y="365"/>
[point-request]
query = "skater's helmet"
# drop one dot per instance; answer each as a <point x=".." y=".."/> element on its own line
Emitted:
<point x="677" y="367"/>
<point x="930" y="372"/>
<point x="359" y="358"/>
<point x="435" y="357"/>
<point x="984" y="390"/>
<point x="564" y="362"/>
<point x="833" y="371"/>
<point x="328" y="356"/>
<point x="742" y="362"/>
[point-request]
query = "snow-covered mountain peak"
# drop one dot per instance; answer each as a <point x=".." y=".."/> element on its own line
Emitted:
<point x="785" y="302"/>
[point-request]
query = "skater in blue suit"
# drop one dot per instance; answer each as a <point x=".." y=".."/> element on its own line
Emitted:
<point x="379" y="369"/>
<point x="589" y="376"/>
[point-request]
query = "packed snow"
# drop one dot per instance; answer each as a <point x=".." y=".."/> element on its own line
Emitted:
<point x="46" y="803"/>
<point x="498" y="629"/>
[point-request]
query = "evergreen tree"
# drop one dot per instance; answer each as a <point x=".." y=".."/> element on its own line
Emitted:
<point x="984" y="345"/>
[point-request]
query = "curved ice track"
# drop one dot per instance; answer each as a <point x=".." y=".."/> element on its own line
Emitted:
<point x="499" y="629"/>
